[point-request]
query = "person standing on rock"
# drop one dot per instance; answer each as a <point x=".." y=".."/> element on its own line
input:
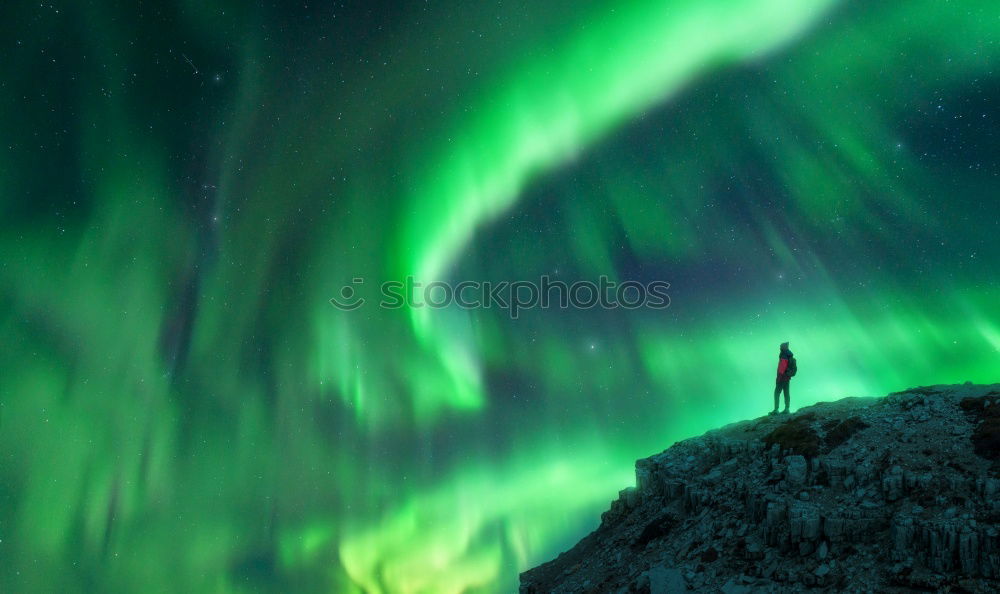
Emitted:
<point x="786" y="369"/>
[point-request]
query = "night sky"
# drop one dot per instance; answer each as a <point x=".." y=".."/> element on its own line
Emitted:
<point x="185" y="185"/>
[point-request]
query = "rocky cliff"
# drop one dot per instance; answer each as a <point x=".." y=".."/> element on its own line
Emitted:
<point x="890" y="494"/>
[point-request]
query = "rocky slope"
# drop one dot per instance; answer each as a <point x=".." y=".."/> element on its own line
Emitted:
<point x="890" y="494"/>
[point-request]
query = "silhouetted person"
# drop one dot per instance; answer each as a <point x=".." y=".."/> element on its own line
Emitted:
<point x="786" y="369"/>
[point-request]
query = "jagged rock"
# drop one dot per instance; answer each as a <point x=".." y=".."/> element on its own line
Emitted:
<point x="733" y="587"/>
<point x="795" y="472"/>
<point x="666" y="581"/>
<point x="858" y="495"/>
<point x="892" y="484"/>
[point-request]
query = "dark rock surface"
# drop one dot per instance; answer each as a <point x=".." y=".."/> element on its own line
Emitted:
<point x="894" y="494"/>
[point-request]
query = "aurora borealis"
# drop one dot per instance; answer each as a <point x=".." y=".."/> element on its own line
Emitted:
<point x="187" y="184"/>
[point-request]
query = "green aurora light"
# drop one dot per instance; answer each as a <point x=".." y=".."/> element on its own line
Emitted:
<point x="185" y="187"/>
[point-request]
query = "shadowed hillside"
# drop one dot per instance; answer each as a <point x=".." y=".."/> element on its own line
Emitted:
<point x="859" y="495"/>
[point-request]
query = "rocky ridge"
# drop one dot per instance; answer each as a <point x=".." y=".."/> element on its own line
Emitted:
<point x="890" y="494"/>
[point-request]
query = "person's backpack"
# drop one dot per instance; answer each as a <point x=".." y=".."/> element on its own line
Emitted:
<point x="792" y="367"/>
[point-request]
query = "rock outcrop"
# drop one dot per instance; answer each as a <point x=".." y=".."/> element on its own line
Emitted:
<point x="890" y="494"/>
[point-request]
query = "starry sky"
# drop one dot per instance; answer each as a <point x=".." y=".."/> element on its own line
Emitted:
<point x="186" y="184"/>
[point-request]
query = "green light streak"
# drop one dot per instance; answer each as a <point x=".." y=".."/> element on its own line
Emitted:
<point x="549" y="110"/>
<point x="838" y="192"/>
<point x="445" y="540"/>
